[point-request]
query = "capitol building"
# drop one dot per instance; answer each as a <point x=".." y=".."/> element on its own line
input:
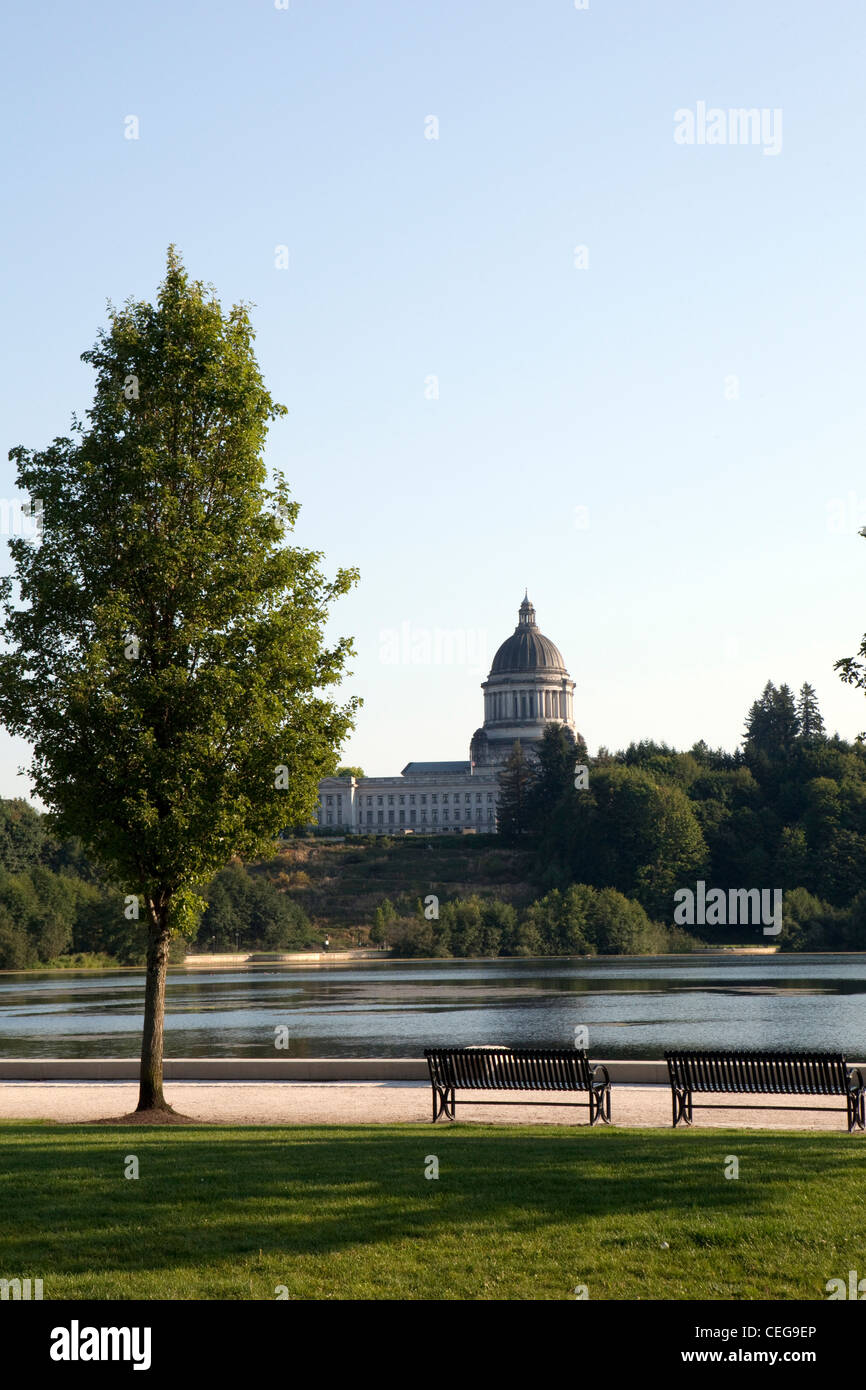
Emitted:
<point x="528" y="687"/>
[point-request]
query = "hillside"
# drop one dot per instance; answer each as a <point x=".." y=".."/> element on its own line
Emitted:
<point x="340" y="885"/>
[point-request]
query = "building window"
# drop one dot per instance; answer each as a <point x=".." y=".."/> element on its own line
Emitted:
<point x="412" y="800"/>
<point x="380" y="817"/>
<point x="467" y="796"/>
<point x="435" y="815"/>
<point x="423" y="801"/>
<point x="390" y="801"/>
<point x="379" y="801"/>
<point x="477" y="796"/>
<point x="330" y="819"/>
<point x="402" y="801"/>
<point x="390" y="817"/>
<point x="456" y="812"/>
<point x="402" y="817"/>
<point x="330" y="800"/>
<point x="434" y="798"/>
<point x="489" y="796"/>
<point x="369" y="817"/>
<point x="445" y="798"/>
<point x="412" y="815"/>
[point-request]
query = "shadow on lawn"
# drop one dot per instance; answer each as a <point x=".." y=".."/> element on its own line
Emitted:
<point x="296" y="1192"/>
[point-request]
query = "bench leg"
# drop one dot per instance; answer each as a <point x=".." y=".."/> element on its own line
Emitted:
<point x="599" y="1104"/>
<point x="443" y="1102"/>
<point x="682" y="1106"/>
<point x="856" y="1110"/>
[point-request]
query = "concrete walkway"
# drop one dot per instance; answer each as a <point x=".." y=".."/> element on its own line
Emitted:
<point x="377" y="1102"/>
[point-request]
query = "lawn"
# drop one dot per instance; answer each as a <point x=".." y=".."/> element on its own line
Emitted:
<point x="516" y="1213"/>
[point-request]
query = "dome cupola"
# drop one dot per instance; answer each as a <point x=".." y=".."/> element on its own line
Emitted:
<point x="528" y="688"/>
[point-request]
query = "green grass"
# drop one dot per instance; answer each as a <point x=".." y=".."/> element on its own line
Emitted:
<point x="516" y="1213"/>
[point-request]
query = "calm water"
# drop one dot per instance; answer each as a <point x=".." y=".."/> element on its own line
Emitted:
<point x="633" y="1008"/>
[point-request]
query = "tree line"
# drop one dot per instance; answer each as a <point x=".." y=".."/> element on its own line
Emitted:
<point x="786" y="810"/>
<point x="56" y="910"/>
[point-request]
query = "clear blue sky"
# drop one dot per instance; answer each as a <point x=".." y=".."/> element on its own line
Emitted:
<point x="710" y="561"/>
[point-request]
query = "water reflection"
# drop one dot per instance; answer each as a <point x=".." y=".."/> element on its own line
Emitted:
<point x="633" y="1008"/>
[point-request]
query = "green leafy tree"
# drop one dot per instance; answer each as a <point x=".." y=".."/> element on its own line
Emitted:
<point x="630" y="833"/>
<point x="167" y="660"/>
<point x="384" y="918"/>
<point x="22" y="836"/>
<point x="350" y="772"/>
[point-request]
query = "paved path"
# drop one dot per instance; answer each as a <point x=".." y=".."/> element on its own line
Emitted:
<point x="372" y="1102"/>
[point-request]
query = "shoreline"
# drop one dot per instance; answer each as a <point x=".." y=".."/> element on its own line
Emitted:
<point x="330" y="958"/>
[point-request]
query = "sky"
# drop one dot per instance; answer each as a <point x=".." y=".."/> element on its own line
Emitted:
<point x="528" y="335"/>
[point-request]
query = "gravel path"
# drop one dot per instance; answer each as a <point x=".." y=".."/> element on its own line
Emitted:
<point x="373" y="1102"/>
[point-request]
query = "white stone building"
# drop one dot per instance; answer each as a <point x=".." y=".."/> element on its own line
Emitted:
<point x="527" y="688"/>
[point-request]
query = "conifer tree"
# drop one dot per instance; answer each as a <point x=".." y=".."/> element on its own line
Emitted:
<point x="809" y="718"/>
<point x="515" y="791"/>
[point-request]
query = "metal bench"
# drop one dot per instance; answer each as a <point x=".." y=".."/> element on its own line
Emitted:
<point x="455" y="1069"/>
<point x="764" y="1073"/>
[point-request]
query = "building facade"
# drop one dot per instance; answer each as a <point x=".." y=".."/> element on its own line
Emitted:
<point x="528" y="687"/>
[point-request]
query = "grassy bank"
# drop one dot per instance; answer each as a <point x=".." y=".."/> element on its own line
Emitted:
<point x="334" y="1213"/>
<point x="340" y="886"/>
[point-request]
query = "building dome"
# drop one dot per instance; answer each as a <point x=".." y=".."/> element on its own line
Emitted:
<point x="527" y="689"/>
<point x="527" y="649"/>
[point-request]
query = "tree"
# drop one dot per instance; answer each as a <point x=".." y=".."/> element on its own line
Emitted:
<point x="629" y="833"/>
<point x="809" y="719"/>
<point x="167" y="661"/>
<point x="22" y="835"/>
<point x="852" y="671"/>
<point x="515" y="790"/>
<point x="554" y="760"/>
<point x="350" y="772"/>
<point x="772" y="726"/>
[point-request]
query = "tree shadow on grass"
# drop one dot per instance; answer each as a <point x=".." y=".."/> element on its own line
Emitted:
<point x="213" y="1195"/>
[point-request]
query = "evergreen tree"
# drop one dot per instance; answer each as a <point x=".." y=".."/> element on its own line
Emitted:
<point x="786" y="726"/>
<point x="772" y="726"/>
<point x="515" y="794"/>
<point x="554" y="759"/>
<point x="811" y="723"/>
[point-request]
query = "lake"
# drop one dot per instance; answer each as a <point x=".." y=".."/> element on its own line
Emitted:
<point x="632" y="1006"/>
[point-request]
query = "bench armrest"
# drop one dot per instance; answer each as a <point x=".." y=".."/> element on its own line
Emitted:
<point x="856" y="1085"/>
<point x="605" y="1079"/>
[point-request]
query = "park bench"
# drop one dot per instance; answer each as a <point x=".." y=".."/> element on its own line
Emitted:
<point x="455" y="1069"/>
<point x="764" y="1073"/>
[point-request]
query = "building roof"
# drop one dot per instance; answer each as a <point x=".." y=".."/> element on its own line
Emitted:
<point x="411" y="769"/>
<point x="527" y="649"/>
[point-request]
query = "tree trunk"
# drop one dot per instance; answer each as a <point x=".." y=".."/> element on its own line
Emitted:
<point x="150" y="1095"/>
